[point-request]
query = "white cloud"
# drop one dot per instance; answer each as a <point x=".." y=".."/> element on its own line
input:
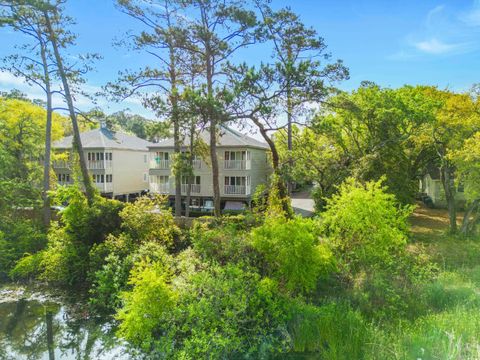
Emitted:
<point x="8" y="79"/>
<point x="437" y="47"/>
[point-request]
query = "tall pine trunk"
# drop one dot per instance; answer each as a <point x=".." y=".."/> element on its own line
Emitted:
<point x="77" y="144"/>
<point x="48" y="139"/>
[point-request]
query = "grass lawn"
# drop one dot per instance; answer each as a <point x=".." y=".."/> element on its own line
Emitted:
<point x="448" y="326"/>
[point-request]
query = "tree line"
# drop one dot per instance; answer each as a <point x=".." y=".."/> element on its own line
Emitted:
<point x="193" y="78"/>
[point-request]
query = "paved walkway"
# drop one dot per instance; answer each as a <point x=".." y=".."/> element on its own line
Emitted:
<point x="302" y="203"/>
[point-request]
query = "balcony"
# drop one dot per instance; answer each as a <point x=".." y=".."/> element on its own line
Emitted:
<point x="237" y="165"/>
<point x="104" y="187"/>
<point x="61" y="164"/>
<point x="99" y="164"/>
<point x="160" y="164"/>
<point x="236" y="190"/>
<point x="194" y="188"/>
<point x="160" y="188"/>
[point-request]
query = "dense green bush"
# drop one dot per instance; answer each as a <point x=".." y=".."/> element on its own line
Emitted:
<point x="223" y="244"/>
<point x="294" y="252"/>
<point x="18" y="238"/>
<point x="366" y="224"/>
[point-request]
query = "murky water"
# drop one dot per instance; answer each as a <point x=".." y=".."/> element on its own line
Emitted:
<point x="35" y="324"/>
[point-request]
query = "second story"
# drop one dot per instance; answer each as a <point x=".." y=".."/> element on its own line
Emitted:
<point x="117" y="162"/>
<point x="242" y="160"/>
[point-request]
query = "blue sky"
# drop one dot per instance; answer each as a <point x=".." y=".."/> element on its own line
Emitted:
<point x="389" y="42"/>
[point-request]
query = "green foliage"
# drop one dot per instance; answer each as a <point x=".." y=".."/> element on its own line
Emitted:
<point x="366" y="225"/>
<point x="222" y="244"/>
<point x="293" y="252"/>
<point x="235" y="307"/>
<point x="17" y="238"/>
<point x="28" y="267"/>
<point x="334" y="330"/>
<point x="149" y="220"/>
<point x="148" y="305"/>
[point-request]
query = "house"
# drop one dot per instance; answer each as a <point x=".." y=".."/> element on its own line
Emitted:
<point x="243" y="165"/>
<point x="433" y="193"/>
<point x="117" y="162"/>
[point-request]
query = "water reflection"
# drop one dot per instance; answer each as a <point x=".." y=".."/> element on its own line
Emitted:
<point x="34" y="325"/>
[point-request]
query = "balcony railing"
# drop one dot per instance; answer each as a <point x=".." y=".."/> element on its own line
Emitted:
<point x="236" y="190"/>
<point x="237" y="164"/>
<point x="160" y="164"/>
<point x="61" y="164"/>
<point x="104" y="187"/>
<point x="194" y="188"/>
<point x="99" y="164"/>
<point x="160" y="188"/>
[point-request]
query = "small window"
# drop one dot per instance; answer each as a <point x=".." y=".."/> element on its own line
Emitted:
<point x="144" y="177"/>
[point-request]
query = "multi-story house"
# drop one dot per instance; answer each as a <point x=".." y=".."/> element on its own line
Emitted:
<point x="243" y="165"/>
<point x="117" y="162"/>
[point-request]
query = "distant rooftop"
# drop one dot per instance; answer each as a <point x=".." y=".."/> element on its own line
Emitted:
<point x="104" y="138"/>
<point x="227" y="138"/>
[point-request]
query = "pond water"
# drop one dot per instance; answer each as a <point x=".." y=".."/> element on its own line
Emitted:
<point x="36" y="324"/>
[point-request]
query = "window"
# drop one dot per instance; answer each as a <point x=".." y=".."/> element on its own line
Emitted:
<point x="144" y="177"/>
<point x="108" y="178"/>
<point x="108" y="156"/>
<point x="161" y="179"/>
<point x="160" y="155"/>
<point x="63" y="178"/>
<point x="235" y="180"/>
<point x="100" y="178"/>
<point x="145" y="160"/>
<point x="196" y="180"/>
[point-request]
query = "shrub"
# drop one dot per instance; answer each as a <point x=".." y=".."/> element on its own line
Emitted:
<point x="221" y="243"/>
<point x="149" y="220"/>
<point x="18" y="238"/>
<point x="112" y="277"/>
<point x="148" y="306"/>
<point x="27" y="267"/>
<point x="229" y="312"/>
<point x="294" y="254"/>
<point x="366" y="224"/>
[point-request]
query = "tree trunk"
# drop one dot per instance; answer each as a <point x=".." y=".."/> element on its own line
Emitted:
<point x="77" y="143"/>
<point x="449" y="188"/>
<point x="213" y="133"/>
<point x="282" y="190"/>
<point x="178" y="174"/>
<point x="190" y="180"/>
<point x="48" y="140"/>
<point x="467" y="223"/>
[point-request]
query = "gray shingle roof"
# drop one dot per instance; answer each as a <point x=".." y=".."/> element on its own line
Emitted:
<point x="227" y="138"/>
<point x="104" y="138"/>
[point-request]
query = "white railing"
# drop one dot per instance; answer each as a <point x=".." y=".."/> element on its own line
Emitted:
<point x="237" y="164"/>
<point x="104" y="187"/>
<point x="160" y="164"/>
<point x="197" y="164"/>
<point x="99" y="164"/>
<point x="235" y="190"/>
<point x="160" y="188"/>
<point x="61" y="164"/>
<point x="194" y="188"/>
